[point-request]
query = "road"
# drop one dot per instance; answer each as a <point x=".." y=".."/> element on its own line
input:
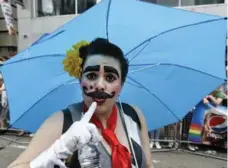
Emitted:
<point x="174" y="159"/>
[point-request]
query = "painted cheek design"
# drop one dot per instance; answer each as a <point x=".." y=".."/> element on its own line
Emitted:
<point x="87" y="86"/>
<point x="114" y="87"/>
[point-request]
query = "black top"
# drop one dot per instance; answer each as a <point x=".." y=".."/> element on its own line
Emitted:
<point x="68" y="121"/>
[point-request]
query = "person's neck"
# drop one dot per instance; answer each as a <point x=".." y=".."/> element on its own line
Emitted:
<point x="103" y="117"/>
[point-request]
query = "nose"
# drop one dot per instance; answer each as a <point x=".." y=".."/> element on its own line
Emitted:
<point x="100" y="85"/>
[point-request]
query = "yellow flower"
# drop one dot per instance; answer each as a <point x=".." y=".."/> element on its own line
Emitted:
<point x="80" y="44"/>
<point x="72" y="62"/>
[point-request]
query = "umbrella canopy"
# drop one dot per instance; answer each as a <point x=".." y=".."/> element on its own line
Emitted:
<point x="176" y="57"/>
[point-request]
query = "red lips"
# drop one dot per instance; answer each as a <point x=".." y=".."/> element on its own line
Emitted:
<point x="99" y="101"/>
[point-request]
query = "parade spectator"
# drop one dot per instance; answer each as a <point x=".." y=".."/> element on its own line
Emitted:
<point x="216" y="97"/>
<point x="4" y="105"/>
<point x="171" y="134"/>
<point x="154" y="136"/>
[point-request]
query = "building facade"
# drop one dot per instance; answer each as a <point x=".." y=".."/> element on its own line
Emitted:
<point x="37" y="17"/>
<point x="184" y="3"/>
<point x="8" y="43"/>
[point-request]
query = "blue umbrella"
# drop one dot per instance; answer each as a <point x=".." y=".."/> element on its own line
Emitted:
<point x="176" y="57"/>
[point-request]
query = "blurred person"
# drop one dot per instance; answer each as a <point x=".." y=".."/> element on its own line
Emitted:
<point x="223" y="88"/>
<point x="191" y="146"/>
<point x="171" y="134"/>
<point x="154" y="137"/>
<point x="185" y="130"/>
<point x="4" y="105"/>
<point x="4" y="112"/>
<point x="216" y="97"/>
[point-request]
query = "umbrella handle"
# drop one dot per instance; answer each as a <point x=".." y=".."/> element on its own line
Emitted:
<point x="128" y="137"/>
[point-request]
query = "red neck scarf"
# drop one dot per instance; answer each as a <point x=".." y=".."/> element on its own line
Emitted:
<point x="120" y="155"/>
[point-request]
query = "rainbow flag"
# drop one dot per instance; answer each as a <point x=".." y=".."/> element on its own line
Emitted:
<point x="196" y="125"/>
<point x="195" y="133"/>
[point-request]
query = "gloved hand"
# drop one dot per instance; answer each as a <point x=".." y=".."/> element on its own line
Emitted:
<point x="79" y="134"/>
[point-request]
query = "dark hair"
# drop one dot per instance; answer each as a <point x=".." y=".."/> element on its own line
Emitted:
<point x="104" y="47"/>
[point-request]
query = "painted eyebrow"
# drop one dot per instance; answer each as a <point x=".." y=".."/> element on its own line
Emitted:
<point x="111" y="70"/>
<point x="92" y="68"/>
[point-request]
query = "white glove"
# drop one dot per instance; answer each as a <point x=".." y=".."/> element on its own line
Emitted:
<point x="47" y="159"/>
<point x="79" y="134"/>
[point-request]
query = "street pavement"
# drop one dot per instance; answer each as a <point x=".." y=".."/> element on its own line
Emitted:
<point x="12" y="146"/>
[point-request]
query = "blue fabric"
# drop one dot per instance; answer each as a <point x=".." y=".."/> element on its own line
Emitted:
<point x="176" y="57"/>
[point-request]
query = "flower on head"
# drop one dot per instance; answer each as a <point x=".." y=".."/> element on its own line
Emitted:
<point x="72" y="62"/>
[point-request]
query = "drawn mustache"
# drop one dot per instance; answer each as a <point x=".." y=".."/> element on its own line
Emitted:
<point x="100" y="95"/>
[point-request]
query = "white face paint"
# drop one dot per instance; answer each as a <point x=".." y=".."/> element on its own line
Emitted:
<point x="101" y="81"/>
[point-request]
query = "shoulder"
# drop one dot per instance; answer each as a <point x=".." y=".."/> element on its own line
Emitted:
<point x="53" y="125"/>
<point x="131" y="112"/>
<point x="135" y="113"/>
<point x="54" y="118"/>
<point x="137" y="109"/>
<point x="51" y="129"/>
<point x="49" y="125"/>
<point x="144" y="136"/>
<point x="140" y="114"/>
<point x="142" y="119"/>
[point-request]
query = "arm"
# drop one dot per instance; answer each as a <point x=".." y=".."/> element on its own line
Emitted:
<point x="44" y="137"/>
<point x="216" y="101"/>
<point x="59" y="146"/>
<point x="205" y="101"/>
<point x="145" y="138"/>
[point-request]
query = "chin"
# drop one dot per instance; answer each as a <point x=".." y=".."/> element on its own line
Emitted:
<point x="102" y="108"/>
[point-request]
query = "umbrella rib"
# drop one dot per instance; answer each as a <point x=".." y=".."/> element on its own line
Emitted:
<point x="139" y="52"/>
<point x="107" y="18"/>
<point x="146" y="89"/>
<point x="167" y="31"/>
<point x="177" y="65"/>
<point x="40" y="100"/>
<point x="133" y="84"/>
<point x="39" y="56"/>
<point x="147" y="67"/>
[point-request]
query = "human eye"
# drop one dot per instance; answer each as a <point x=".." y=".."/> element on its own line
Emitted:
<point x="110" y="77"/>
<point x="91" y="76"/>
